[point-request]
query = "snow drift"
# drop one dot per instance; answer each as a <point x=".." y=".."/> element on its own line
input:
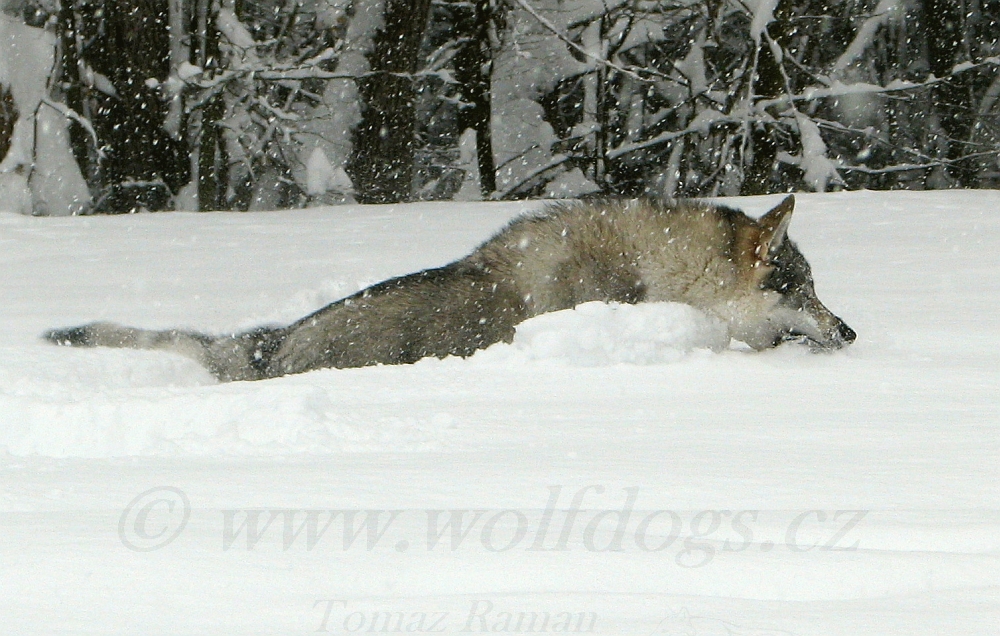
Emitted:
<point x="757" y="493"/>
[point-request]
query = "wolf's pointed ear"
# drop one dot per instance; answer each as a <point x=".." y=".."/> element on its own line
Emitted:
<point x="774" y="228"/>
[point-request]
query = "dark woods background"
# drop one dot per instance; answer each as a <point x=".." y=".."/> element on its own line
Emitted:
<point x="285" y="103"/>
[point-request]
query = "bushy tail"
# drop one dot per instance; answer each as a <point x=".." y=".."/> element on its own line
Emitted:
<point x="229" y="358"/>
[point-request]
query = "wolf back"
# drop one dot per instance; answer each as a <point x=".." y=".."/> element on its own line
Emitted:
<point x="742" y="271"/>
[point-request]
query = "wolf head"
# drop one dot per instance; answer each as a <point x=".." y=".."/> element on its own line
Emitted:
<point x="783" y="305"/>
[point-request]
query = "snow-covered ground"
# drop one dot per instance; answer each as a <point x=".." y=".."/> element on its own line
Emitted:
<point x="608" y="471"/>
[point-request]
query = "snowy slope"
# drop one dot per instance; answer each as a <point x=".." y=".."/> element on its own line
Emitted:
<point x="741" y="466"/>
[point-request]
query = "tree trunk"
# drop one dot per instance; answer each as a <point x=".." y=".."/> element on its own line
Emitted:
<point x="76" y="96"/>
<point x="382" y="167"/>
<point x="179" y="53"/>
<point x="210" y="149"/>
<point x="768" y="83"/>
<point x="943" y="22"/>
<point x="473" y="72"/>
<point x="8" y="117"/>
<point x="213" y="165"/>
<point x="142" y="165"/>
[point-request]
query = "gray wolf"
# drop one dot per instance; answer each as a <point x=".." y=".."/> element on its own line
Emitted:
<point x="745" y="272"/>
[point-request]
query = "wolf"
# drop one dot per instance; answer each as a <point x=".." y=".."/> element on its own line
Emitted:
<point x="745" y="272"/>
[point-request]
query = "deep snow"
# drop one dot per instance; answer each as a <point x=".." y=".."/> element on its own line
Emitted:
<point x="752" y="459"/>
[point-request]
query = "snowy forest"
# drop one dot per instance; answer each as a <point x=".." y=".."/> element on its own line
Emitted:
<point x="110" y="106"/>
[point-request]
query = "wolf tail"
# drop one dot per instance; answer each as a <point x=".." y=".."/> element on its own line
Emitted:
<point x="229" y="358"/>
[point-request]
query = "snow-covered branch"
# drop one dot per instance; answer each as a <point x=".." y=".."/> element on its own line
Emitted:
<point x="840" y="89"/>
<point x="884" y="12"/>
<point x="643" y="74"/>
<point x="69" y="113"/>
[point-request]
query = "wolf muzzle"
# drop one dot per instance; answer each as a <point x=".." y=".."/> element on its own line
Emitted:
<point x="845" y="335"/>
<point x="838" y="337"/>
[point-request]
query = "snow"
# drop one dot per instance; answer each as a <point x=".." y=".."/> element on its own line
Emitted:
<point x="330" y="124"/>
<point x="692" y="67"/>
<point x="705" y="119"/>
<point x="790" y="492"/>
<point x="885" y="12"/>
<point x="468" y="163"/>
<point x="321" y="176"/>
<point x="237" y="34"/>
<point x="570" y="184"/>
<point x="818" y="169"/>
<point x="763" y="15"/>
<point x="38" y="175"/>
<point x="531" y="63"/>
<point x="522" y="142"/>
<point x="187" y="71"/>
<point x="600" y="334"/>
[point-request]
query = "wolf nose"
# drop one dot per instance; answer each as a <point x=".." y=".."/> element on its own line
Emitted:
<point x="846" y="334"/>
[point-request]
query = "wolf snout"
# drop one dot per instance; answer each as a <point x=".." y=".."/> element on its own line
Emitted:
<point x="837" y="338"/>
<point x="845" y="334"/>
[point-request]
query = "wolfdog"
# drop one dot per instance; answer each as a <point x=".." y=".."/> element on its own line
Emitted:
<point x="744" y="272"/>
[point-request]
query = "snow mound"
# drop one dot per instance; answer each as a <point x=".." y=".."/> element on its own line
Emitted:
<point x="598" y="334"/>
<point x="113" y="403"/>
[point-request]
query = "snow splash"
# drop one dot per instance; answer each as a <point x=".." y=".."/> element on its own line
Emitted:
<point x="598" y="334"/>
<point x="154" y="403"/>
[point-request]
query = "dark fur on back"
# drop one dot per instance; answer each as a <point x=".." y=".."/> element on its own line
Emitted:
<point x="714" y="258"/>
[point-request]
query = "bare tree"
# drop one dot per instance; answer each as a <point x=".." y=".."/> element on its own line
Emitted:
<point x="269" y="103"/>
<point x="114" y="60"/>
<point x="8" y="117"/>
<point x="384" y="143"/>
<point x="473" y="72"/>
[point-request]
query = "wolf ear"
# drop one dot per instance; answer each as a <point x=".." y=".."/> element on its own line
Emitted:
<point x="774" y="228"/>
